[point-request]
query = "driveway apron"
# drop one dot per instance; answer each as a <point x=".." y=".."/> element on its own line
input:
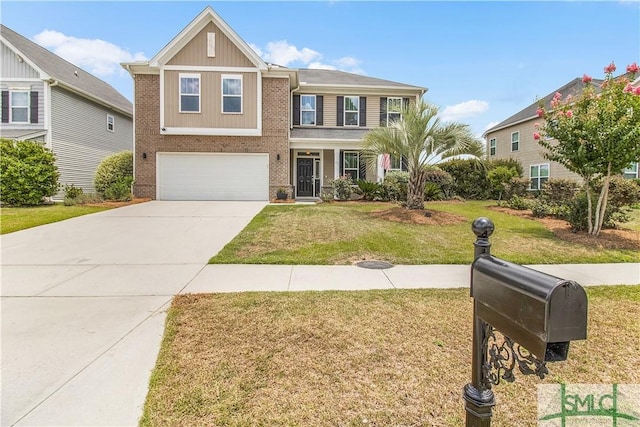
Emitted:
<point x="83" y="306"/>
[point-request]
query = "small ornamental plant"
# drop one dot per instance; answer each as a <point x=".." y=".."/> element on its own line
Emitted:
<point x="595" y="134"/>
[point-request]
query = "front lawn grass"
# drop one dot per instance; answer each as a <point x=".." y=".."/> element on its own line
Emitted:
<point x="375" y="358"/>
<point x="341" y="233"/>
<point x="15" y="219"/>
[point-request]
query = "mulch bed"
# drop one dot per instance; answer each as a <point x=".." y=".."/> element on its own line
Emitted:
<point x="400" y="214"/>
<point x="112" y="204"/>
<point x="608" y="239"/>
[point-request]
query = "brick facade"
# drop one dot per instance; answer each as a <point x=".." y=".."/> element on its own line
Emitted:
<point x="149" y="141"/>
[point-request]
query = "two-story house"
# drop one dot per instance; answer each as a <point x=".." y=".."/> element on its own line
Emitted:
<point x="44" y="98"/>
<point x="213" y="121"/>
<point x="513" y="138"/>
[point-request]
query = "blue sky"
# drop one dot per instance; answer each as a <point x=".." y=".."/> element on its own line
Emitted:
<point x="482" y="61"/>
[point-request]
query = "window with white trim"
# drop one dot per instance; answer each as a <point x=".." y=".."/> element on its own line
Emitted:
<point x="351" y="165"/>
<point x="111" y="123"/>
<point x="394" y="108"/>
<point x="189" y="93"/>
<point x="352" y="111"/>
<point x="631" y="172"/>
<point x="492" y="147"/>
<point x="19" y="104"/>
<point x="395" y="163"/>
<point x="232" y="94"/>
<point x="539" y="174"/>
<point x="308" y="110"/>
<point x="515" y="141"/>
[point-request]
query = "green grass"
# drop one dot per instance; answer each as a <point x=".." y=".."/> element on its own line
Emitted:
<point x="338" y="233"/>
<point x="374" y="358"/>
<point x="15" y="219"/>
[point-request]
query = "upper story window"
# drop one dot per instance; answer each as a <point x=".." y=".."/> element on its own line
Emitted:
<point x="394" y="107"/>
<point x="189" y="93"/>
<point x="111" y="123"/>
<point x="232" y="94"/>
<point x="19" y="103"/>
<point x="515" y="141"/>
<point x="492" y="147"/>
<point x="351" y="110"/>
<point x="539" y="174"/>
<point x="308" y="110"/>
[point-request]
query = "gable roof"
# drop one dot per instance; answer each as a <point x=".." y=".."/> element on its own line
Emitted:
<point x="320" y="77"/>
<point x="67" y="74"/>
<point x="573" y="88"/>
<point x="194" y="27"/>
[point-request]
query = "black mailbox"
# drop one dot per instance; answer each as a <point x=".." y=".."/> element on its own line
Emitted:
<point x="541" y="312"/>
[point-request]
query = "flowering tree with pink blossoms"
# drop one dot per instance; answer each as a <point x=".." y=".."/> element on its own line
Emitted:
<point x="595" y="134"/>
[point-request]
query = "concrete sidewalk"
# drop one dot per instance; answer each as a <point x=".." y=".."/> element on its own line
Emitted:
<point x="251" y="277"/>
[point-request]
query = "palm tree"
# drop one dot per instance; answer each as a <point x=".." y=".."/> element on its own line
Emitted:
<point x="423" y="140"/>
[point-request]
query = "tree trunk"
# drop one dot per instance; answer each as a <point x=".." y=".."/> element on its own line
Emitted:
<point x="601" y="208"/>
<point x="589" y="206"/>
<point x="415" y="189"/>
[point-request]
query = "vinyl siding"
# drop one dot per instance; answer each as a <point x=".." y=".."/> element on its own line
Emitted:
<point x="195" y="51"/>
<point x="79" y="137"/>
<point x="11" y="67"/>
<point x="328" y="167"/>
<point x="210" y="115"/>
<point x="32" y="87"/>
<point x="530" y="152"/>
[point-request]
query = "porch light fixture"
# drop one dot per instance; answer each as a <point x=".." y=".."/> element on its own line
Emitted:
<point x="277" y="156"/>
<point x="144" y="156"/>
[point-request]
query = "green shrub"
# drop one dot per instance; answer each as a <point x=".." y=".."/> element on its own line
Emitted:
<point x="519" y="203"/>
<point x="432" y="192"/>
<point x="469" y="178"/>
<point x="28" y="172"/>
<point x="342" y="187"/>
<point x="558" y="191"/>
<point x="498" y="177"/>
<point x="369" y="190"/>
<point x="72" y="192"/>
<point x="622" y="192"/>
<point x="516" y="187"/>
<point x="114" y="174"/>
<point x="442" y="179"/>
<point x="395" y="186"/>
<point x="509" y="163"/>
<point x="326" y="196"/>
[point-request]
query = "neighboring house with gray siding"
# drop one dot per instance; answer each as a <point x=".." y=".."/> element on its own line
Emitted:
<point x="44" y="98"/>
<point x="513" y="138"/>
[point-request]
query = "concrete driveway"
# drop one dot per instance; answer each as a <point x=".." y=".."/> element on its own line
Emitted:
<point x="83" y="306"/>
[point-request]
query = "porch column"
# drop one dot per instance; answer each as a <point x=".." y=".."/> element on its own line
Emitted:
<point x="336" y="163"/>
<point x="380" y="170"/>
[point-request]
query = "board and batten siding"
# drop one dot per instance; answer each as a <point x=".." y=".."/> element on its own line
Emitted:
<point x="210" y="115"/>
<point x="12" y="67"/>
<point x="227" y="53"/>
<point x="36" y="86"/>
<point x="529" y="153"/>
<point x="80" y="139"/>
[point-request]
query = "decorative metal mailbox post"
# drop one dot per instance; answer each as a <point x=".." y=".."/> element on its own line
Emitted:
<point x="538" y="315"/>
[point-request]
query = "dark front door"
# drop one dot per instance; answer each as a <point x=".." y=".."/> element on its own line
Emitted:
<point x="305" y="177"/>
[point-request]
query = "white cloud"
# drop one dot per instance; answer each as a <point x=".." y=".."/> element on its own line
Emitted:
<point x="96" y="56"/>
<point x="464" y="109"/>
<point x="490" y="125"/>
<point x="283" y="53"/>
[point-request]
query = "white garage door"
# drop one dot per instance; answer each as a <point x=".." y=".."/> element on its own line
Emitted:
<point x="204" y="176"/>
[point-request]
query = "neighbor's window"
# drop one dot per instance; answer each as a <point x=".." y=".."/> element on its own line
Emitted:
<point x="19" y="106"/>
<point x="351" y="165"/>
<point x="232" y="94"/>
<point x="631" y="172"/>
<point x="351" y="110"/>
<point x="111" y="121"/>
<point x="189" y="93"/>
<point x="539" y="175"/>
<point x="515" y="141"/>
<point x="492" y="147"/>
<point x="394" y="107"/>
<point x="307" y="109"/>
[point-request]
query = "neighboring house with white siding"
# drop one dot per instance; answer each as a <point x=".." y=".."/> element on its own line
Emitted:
<point x="513" y="138"/>
<point x="44" y="98"/>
